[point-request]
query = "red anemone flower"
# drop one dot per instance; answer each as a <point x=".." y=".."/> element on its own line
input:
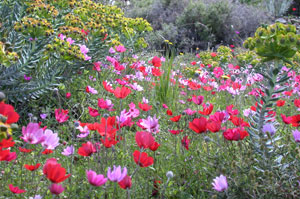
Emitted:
<point x="207" y="109"/>
<point x="169" y="112"/>
<point x="32" y="167"/>
<point x="142" y="159"/>
<point x="144" y="139"/>
<point x="185" y="142"/>
<point x="213" y="126"/>
<point x="54" y="172"/>
<point x="235" y="134"/>
<point x="122" y="93"/>
<point x="286" y="120"/>
<point x="176" y="118"/>
<point x="297" y="103"/>
<point x="15" y="190"/>
<point x="145" y="107"/>
<point x="125" y="183"/>
<point x="6" y="143"/>
<point x="154" y="146"/>
<point x="175" y="132"/>
<point x="9" y="112"/>
<point x="280" y="103"/>
<point x="156" y="61"/>
<point x="87" y="149"/>
<point x="198" y="125"/>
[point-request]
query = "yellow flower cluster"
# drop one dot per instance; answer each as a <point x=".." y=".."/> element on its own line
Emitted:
<point x="34" y="27"/>
<point x="248" y="57"/>
<point x="65" y="50"/>
<point x="223" y="55"/>
<point x="97" y="18"/>
<point x="42" y="10"/>
<point x="7" y="57"/>
<point x="276" y="41"/>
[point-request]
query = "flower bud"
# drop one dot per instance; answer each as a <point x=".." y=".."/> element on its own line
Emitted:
<point x="170" y="174"/>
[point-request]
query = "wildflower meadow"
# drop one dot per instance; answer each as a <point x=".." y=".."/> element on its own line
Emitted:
<point x="86" y="111"/>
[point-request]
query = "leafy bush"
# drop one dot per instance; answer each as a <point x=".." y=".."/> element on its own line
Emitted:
<point x="35" y="53"/>
<point x="198" y="24"/>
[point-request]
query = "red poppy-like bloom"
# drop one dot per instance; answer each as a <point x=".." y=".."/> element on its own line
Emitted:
<point x="109" y="142"/>
<point x="198" y="125"/>
<point x="142" y="159"/>
<point x="107" y="87"/>
<point x="32" y="167"/>
<point x="47" y="151"/>
<point x="125" y="183"/>
<point x="238" y="121"/>
<point x="6" y="155"/>
<point x="235" y="134"/>
<point x="144" y="139"/>
<point x="61" y="115"/>
<point x="207" y="109"/>
<point x="9" y="112"/>
<point x="6" y="143"/>
<point x="156" y="61"/>
<point x="280" y="103"/>
<point x="156" y="72"/>
<point x="87" y="149"/>
<point x="213" y="54"/>
<point x="175" y="132"/>
<point x="297" y="103"/>
<point x="185" y="142"/>
<point x="213" y="126"/>
<point x="145" y="107"/>
<point x="286" y="120"/>
<point x="24" y="150"/>
<point x="122" y="93"/>
<point x="295" y="120"/>
<point x="154" y="146"/>
<point x="54" y="172"/>
<point x="107" y="127"/>
<point x="16" y="190"/>
<point x="176" y="118"/>
<point x="93" y="112"/>
<point x="169" y="112"/>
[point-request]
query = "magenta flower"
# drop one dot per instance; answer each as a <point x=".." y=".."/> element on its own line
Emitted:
<point x="61" y="115"/>
<point x="120" y="48"/>
<point x="51" y="141"/>
<point x="112" y="50"/>
<point x="117" y="174"/>
<point x="197" y="99"/>
<point x="56" y="189"/>
<point x="70" y="40"/>
<point x="68" y="151"/>
<point x="150" y="124"/>
<point x="94" y="179"/>
<point x="27" y="78"/>
<point x="43" y="115"/>
<point x="61" y="36"/>
<point x="220" y="183"/>
<point x="296" y="135"/>
<point x="90" y="89"/>
<point x="269" y="128"/>
<point x="133" y="112"/>
<point x="83" y="49"/>
<point x="33" y="134"/>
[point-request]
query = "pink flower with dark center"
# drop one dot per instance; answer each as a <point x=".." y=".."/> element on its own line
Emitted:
<point x="51" y="141"/>
<point x="220" y="183"/>
<point x="56" y="189"/>
<point x="150" y="124"/>
<point x="94" y="179"/>
<point x="116" y="175"/>
<point x="61" y="115"/>
<point x="33" y="134"/>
